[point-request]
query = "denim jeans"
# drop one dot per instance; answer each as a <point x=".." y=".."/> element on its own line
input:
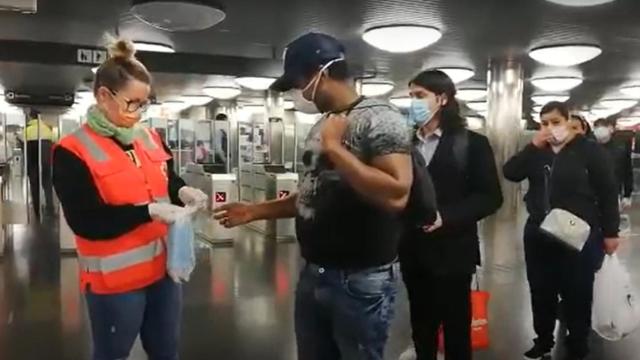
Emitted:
<point x="344" y="315"/>
<point x="153" y="312"/>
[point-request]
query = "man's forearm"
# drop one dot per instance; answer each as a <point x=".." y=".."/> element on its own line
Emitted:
<point x="371" y="183"/>
<point x="276" y="209"/>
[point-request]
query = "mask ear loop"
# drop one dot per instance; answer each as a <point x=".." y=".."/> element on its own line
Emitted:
<point x="323" y="71"/>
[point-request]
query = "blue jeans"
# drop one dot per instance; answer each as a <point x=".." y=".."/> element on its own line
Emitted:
<point x="153" y="312"/>
<point x="344" y="315"/>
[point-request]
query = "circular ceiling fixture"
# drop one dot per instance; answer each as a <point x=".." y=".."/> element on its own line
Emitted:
<point x="632" y="91"/>
<point x="255" y="82"/>
<point x="545" y="99"/>
<point x="617" y="104"/>
<point x="401" y="38"/>
<point x="471" y="94"/>
<point x="196" y="100"/>
<point x="401" y="102"/>
<point x="222" y="92"/>
<point x="580" y="3"/>
<point x="175" y="105"/>
<point x="537" y="109"/>
<point x="153" y="47"/>
<point x="565" y="55"/>
<point x="178" y="15"/>
<point x="480" y="106"/>
<point x="556" y="83"/>
<point x="372" y="88"/>
<point x="289" y="105"/>
<point x="458" y="74"/>
<point x="475" y="122"/>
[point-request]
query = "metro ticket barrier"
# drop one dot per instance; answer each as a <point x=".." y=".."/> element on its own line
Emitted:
<point x="222" y="189"/>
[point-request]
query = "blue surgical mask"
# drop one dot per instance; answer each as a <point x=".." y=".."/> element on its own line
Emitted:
<point x="419" y="113"/>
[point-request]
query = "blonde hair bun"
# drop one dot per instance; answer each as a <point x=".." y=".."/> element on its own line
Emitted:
<point x="122" y="48"/>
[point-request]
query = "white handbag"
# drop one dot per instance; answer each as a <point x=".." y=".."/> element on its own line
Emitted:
<point x="566" y="227"/>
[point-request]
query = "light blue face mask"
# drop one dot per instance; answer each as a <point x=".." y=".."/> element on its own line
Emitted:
<point x="419" y="113"/>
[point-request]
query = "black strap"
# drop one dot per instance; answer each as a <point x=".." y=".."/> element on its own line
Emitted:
<point x="346" y="111"/>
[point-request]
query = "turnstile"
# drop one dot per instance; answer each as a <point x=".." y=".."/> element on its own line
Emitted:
<point x="221" y="189"/>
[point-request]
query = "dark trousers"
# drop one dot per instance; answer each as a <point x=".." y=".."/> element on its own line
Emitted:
<point x="342" y="315"/>
<point x="33" y="172"/>
<point x="153" y="312"/>
<point x="436" y="300"/>
<point x="554" y="271"/>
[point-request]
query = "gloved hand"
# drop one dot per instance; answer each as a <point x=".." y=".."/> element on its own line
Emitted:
<point x="625" y="203"/>
<point x="193" y="197"/>
<point x="166" y="213"/>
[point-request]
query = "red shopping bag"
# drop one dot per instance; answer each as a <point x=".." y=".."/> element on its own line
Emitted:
<point x="479" y="322"/>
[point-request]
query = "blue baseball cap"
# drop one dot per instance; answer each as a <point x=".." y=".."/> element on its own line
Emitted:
<point x="305" y="55"/>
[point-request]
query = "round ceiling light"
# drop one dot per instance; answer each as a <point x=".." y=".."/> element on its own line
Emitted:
<point x="565" y="55"/>
<point x="178" y="15"/>
<point x="222" y="92"/>
<point x="196" y="100"/>
<point x="255" y="82"/>
<point x="617" y="104"/>
<point x="556" y="83"/>
<point x="478" y="105"/>
<point x="175" y="105"/>
<point x="401" y="38"/>
<point x="545" y="99"/>
<point x="631" y="91"/>
<point x="475" y="123"/>
<point x="537" y="109"/>
<point x="153" y="47"/>
<point x="629" y="121"/>
<point x="401" y="102"/>
<point x="289" y="105"/>
<point x="471" y="94"/>
<point x="376" y="88"/>
<point x="458" y="74"/>
<point x="579" y="3"/>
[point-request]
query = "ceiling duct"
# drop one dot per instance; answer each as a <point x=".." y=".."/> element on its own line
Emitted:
<point x="24" y="6"/>
<point x="178" y="15"/>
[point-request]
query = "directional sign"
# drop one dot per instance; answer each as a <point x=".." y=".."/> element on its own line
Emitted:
<point x="283" y="194"/>
<point x="85" y="56"/>
<point x="221" y="197"/>
<point x="99" y="56"/>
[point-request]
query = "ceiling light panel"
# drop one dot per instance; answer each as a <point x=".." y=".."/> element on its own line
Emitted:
<point x="196" y="100"/>
<point x="401" y="38"/>
<point x="458" y="74"/>
<point x="565" y="55"/>
<point x="580" y="3"/>
<point x="401" y="102"/>
<point x="631" y="91"/>
<point x="153" y="47"/>
<point x="556" y="83"/>
<point x="619" y="104"/>
<point x="178" y="15"/>
<point x="545" y="99"/>
<point x="480" y="106"/>
<point x="376" y="88"/>
<point x="471" y="94"/>
<point x="255" y="82"/>
<point x="222" y="92"/>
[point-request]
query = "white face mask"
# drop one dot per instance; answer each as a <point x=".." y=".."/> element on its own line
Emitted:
<point x="308" y="106"/>
<point x="602" y="134"/>
<point x="560" y="134"/>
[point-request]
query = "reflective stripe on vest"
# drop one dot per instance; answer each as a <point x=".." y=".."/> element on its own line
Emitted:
<point x="147" y="139"/>
<point x="85" y="139"/>
<point x="122" y="260"/>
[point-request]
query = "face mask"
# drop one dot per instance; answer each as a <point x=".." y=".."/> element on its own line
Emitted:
<point x="309" y="106"/>
<point x="560" y="134"/>
<point x="422" y="112"/>
<point x="126" y="120"/>
<point x="303" y="105"/>
<point x="602" y="134"/>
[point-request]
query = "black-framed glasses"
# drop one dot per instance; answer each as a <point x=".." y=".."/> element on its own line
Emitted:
<point x="132" y="106"/>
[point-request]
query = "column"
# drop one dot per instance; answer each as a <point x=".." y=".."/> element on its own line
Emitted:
<point x="502" y="233"/>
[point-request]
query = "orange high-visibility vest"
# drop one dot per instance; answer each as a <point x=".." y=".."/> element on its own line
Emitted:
<point x="138" y="258"/>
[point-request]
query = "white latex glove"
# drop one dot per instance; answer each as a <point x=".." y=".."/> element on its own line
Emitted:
<point x="193" y="197"/>
<point x="166" y="213"/>
<point x="625" y="203"/>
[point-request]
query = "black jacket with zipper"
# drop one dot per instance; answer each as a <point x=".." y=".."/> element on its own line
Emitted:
<point x="465" y="195"/>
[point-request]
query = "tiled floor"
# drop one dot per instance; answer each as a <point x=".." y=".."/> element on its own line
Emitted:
<point x="238" y="304"/>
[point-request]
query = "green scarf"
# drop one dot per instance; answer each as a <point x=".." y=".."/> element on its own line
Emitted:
<point x="99" y="123"/>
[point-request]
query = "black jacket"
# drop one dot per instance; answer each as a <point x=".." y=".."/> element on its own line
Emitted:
<point x="465" y="195"/>
<point x="581" y="182"/>
<point x="620" y="152"/>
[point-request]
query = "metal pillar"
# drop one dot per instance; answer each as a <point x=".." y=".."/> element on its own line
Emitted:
<point x="502" y="240"/>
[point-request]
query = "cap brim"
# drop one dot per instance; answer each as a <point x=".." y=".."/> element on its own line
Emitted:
<point x="283" y="83"/>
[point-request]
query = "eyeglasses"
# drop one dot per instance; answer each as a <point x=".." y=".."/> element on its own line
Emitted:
<point x="132" y="106"/>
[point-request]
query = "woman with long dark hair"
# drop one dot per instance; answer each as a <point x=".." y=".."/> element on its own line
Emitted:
<point x="439" y="259"/>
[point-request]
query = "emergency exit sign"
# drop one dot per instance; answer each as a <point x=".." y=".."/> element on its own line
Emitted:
<point x="221" y="196"/>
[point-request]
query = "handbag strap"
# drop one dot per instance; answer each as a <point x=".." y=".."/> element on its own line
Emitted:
<point x="548" y="172"/>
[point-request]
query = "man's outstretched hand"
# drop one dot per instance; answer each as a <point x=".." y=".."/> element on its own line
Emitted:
<point x="234" y="214"/>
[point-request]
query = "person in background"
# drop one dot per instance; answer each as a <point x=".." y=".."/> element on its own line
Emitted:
<point x="438" y="260"/>
<point x="620" y="155"/>
<point x="39" y="139"/>
<point x="580" y="126"/>
<point x="564" y="171"/>
<point x="119" y="192"/>
<point x="202" y="153"/>
<point x="355" y="185"/>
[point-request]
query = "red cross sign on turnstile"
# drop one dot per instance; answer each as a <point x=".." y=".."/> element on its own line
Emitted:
<point x="221" y="197"/>
<point x="283" y="194"/>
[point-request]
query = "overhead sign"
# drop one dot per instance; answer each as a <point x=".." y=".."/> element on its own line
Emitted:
<point x="90" y="56"/>
<point x="221" y="197"/>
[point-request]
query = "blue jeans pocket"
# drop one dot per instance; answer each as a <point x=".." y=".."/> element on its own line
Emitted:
<point x="369" y="285"/>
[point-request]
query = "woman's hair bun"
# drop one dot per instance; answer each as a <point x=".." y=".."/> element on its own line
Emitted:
<point x="122" y="48"/>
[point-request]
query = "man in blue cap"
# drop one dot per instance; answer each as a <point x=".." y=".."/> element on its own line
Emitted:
<point x="356" y="182"/>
